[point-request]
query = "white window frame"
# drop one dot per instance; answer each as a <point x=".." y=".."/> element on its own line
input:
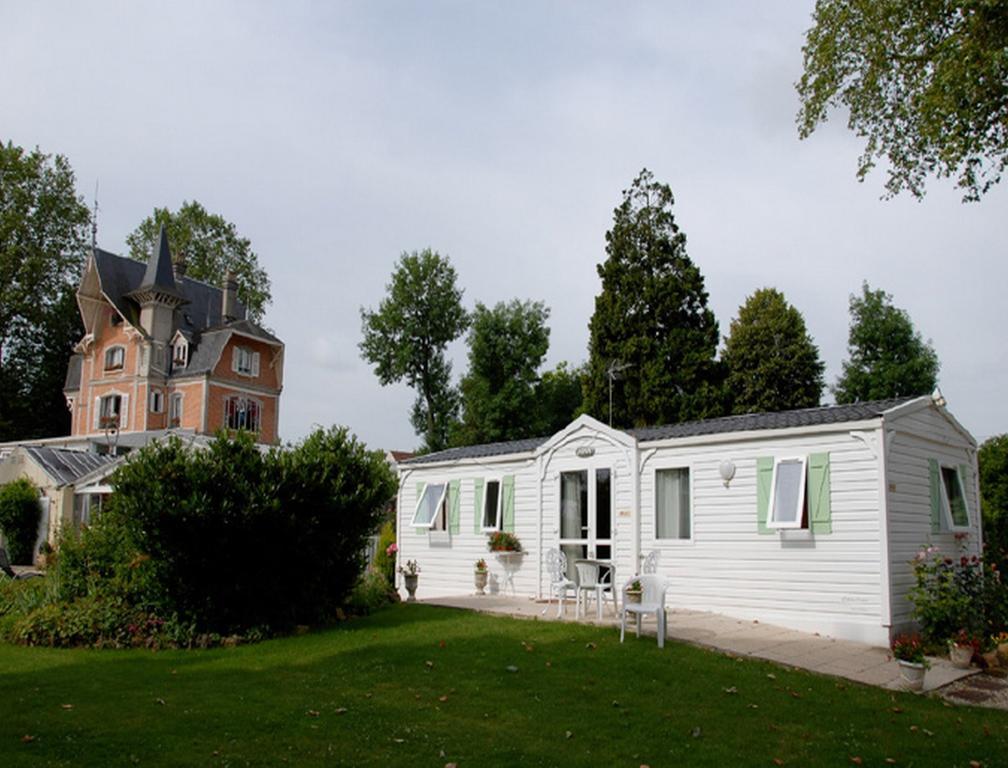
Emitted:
<point x="797" y="523"/>
<point x="180" y="353"/>
<point x="115" y="366"/>
<point x="439" y="508"/>
<point x="499" y="514"/>
<point x="247" y="399"/>
<point x="123" y="410"/>
<point x="245" y="362"/>
<point x="156" y="401"/>
<point x="665" y="541"/>
<point x="950" y="524"/>
<point x="175" y="397"/>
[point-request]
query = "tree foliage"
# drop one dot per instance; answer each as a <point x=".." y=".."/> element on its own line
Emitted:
<point x="19" y="519"/>
<point x="406" y="339"/>
<point x="43" y="237"/>
<point x="925" y="83"/>
<point x="887" y="356"/>
<point x="559" y="395"/>
<point x="993" y="460"/>
<point x="651" y="316"/>
<point x="771" y="362"/>
<point x="507" y="344"/>
<point x="211" y="247"/>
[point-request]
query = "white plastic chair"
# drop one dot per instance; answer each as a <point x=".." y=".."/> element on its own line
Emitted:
<point x="652" y="601"/>
<point x="592" y="582"/>
<point x="650" y="564"/>
<point x="556" y="568"/>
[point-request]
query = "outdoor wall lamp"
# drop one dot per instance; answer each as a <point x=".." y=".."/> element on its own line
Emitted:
<point x="727" y="471"/>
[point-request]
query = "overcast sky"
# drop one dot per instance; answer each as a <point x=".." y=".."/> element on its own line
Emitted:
<point x="338" y="135"/>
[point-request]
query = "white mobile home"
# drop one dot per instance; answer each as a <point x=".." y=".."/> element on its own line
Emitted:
<point x="807" y="519"/>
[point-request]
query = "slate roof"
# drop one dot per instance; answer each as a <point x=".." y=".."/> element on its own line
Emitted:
<point x="159" y="274"/>
<point x="66" y="466"/>
<point x="806" y="417"/>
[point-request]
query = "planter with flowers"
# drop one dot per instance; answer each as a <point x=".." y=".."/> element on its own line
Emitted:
<point x="410" y="572"/>
<point x="962" y="648"/>
<point x="503" y="541"/>
<point x="480" y="574"/>
<point x="634" y="591"/>
<point x="908" y="650"/>
<point x="509" y="552"/>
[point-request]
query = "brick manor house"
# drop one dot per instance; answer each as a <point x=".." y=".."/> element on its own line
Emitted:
<point x="163" y="351"/>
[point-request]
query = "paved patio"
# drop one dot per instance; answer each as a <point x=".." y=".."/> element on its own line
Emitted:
<point x="841" y="658"/>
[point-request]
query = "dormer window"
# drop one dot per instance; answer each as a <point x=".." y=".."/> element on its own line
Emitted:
<point x="180" y="354"/>
<point x="115" y="357"/>
<point x="245" y="362"/>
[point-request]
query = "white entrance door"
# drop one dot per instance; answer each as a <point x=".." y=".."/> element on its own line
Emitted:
<point x="586" y="521"/>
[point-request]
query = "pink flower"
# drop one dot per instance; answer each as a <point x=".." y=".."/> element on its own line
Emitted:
<point x="391" y="549"/>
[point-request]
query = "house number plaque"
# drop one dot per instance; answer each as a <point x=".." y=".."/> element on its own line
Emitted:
<point x="585" y="452"/>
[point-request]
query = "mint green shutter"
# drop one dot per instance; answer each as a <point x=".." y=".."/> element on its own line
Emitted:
<point x="819" y="493"/>
<point x="764" y="478"/>
<point x="507" y="503"/>
<point x="478" y="505"/>
<point x="963" y="475"/>
<point x="419" y="493"/>
<point x="455" y="506"/>
<point x="935" y="478"/>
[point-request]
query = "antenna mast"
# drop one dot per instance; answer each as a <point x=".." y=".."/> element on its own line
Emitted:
<point x="94" y="219"/>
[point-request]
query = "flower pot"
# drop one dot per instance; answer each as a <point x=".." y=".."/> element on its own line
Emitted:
<point x="411" y="585"/>
<point x="990" y="658"/>
<point x="480" y="578"/>
<point x="633" y="596"/>
<point x="1002" y="651"/>
<point x="912" y="675"/>
<point x="960" y="655"/>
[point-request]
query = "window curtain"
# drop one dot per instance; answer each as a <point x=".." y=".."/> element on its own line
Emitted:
<point x="672" y="505"/>
<point x="572" y="488"/>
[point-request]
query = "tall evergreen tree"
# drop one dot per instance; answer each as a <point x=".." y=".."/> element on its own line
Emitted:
<point x="406" y="339"/>
<point x="887" y="356"/>
<point x="559" y="395"/>
<point x="771" y="362"/>
<point x="651" y="325"/>
<point x="507" y="345"/>
<point x="43" y="239"/>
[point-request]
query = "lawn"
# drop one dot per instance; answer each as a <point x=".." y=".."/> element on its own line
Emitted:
<point x="424" y="686"/>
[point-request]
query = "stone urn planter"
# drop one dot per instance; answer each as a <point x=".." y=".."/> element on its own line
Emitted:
<point x="633" y="595"/>
<point x="960" y="655"/>
<point x="912" y="675"/>
<point x="410" y="580"/>
<point x="480" y="579"/>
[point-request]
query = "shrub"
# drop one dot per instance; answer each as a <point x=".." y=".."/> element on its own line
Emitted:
<point x="953" y="595"/>
<point x="993" y="464"/>
<point x="19" y="519"/>
<point x="372" y="591"/>
<point x="384" y="561"/>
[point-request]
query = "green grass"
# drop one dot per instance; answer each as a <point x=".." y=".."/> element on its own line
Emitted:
<point x="424" y="686"/>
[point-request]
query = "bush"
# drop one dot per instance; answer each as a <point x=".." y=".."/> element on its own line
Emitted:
<point x="373" y="591"/>
<point x="19" y="519"/>
<point x="230" y="538"/>
<point x="954" y="595"/>
<point x="993" y="462"/>
<point x="384" y="561"/>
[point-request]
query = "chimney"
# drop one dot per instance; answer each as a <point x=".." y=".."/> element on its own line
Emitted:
<point x="181" y="265"/>
<point x="229" y="308"/>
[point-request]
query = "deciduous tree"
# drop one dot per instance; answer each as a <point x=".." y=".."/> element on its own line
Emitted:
<point x="993" y="460"/>
<point x="406" y="339"/>
<point x="651" y="318"/>
<point x="559" y="397"/>
<point x="887" y="356"/>
<point x="925" y="84"/>
<point x="43" y="237"/>
<point x="211" y="247"/>
<point x="771" y="362"/>
<point x="507" y="344"/>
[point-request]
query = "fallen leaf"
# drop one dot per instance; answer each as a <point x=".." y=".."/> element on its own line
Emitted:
<point x="795" y="694"/>
<point x="754" y="706"/>
<point x="771" y="675"/>
<point x="890" y="761"/>
<point x="341" y="710"/>
<point x="398" y="741"/>
<point x="590" y="646"/>
<point x="451" y="765"/>
<point x="441" y="644"/>
<point x="913" y="727"/>
<point x="856" y="760"/>
<point x="312" y="713"/>
<point x="27" y="739"/>
<point x="897" y="710"/>
<point x="417" y="696"/>
<point x="975" y="764"/>
<point x="442" y="698"/>
<point x="778" y="761"/>
<point x="549" y="663"/>
<point x="66" y="706"/>
<point x="430" y="664"/>
<point x="511" y="668"/>
<point x="160" y="701"/>
<point x="926" y="731"/>
<point x="615" y="703"/>
<point x="696" y="732"/>
<point x="733" y="689"/>
<point x="368" y="695"/>
<point x="568" y="734"/>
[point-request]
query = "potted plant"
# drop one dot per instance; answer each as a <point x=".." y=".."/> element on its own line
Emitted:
<point x="410" y="571"/>
<point x="634" y="591"/>
<point x="908" y="650"/>
<point x="502" y="541"/>
<point x="962" y="647"/>
<point x="480" y="575"/>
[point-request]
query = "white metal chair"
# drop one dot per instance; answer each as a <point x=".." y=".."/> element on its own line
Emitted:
<point x="650" y="564"/>
<point x="556" y="568"/>
<point x="652" y="601"/>
<point x="592" y="582"/>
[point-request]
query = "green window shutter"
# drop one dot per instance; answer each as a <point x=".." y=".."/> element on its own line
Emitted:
<point x="820" y="514"/>
<point x="507" y="503"/>
<point x="455" y="506"/>
<point x="764" y="478"/>
<point x="478" y="505"/>
<point x="963" y="476"/>
<point x="935" y="477"/>
<point x="419" y="493"/>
